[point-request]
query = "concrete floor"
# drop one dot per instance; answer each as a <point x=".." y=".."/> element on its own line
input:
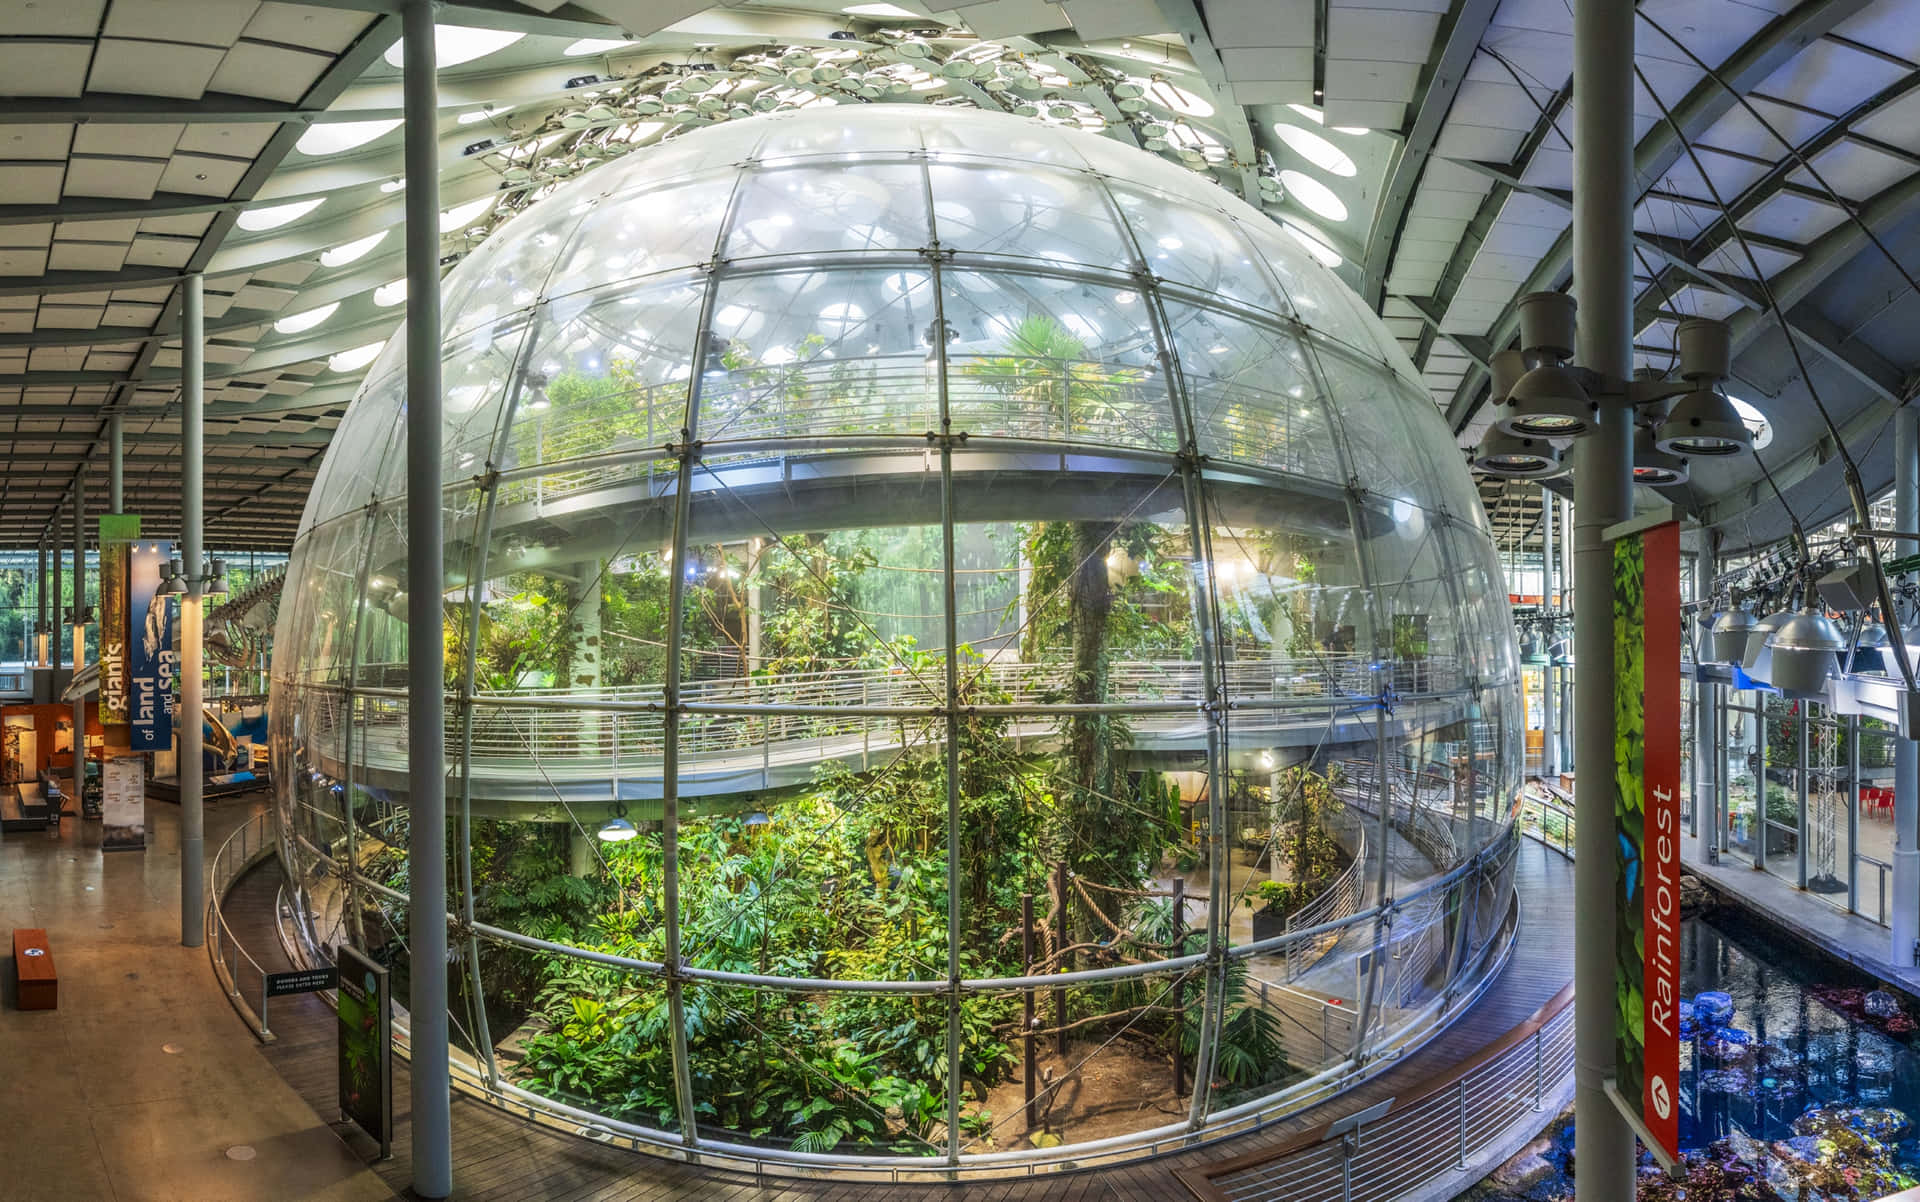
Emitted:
<point x="143" y="1086"/>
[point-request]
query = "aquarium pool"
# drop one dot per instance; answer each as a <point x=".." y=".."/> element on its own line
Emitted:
<point x="1812" y="1040"/>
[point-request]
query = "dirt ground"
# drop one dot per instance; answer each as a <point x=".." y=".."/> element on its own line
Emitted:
<point x="1120" y="1090"/>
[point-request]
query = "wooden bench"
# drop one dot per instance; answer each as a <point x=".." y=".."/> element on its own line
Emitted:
<point x="33" y="968"/>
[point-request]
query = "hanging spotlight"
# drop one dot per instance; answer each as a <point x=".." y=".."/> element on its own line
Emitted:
<point x="172" y="579"/>
<point x="1513" y="457"/>
<point x="1549" y="401"/>
<point x="1730" y="633"/>
<point x="1654" y="467"/>
<point x="618" y="829"/>
<point x="1757" y="663"/>
<point x="1703" y="423"/>
<point x="1869" y="648"/>
<point x="1806" y="649"/>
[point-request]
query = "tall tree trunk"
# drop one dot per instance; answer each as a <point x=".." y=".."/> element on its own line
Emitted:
<point x="1089" y="751"/>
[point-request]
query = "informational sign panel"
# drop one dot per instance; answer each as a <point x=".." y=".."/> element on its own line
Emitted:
<point x="149" y="649"/>
<point x="305" y="980"/>
<point x="1646" y="806"/>
<point x="365" y="1006"/>
<point x="118" y="531"/>
<point x="123" y="804"/>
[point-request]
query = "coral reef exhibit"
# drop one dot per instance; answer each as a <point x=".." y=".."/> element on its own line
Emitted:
<point x="966" y="644"/>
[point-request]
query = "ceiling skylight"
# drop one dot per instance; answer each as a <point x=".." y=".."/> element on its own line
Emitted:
<point x="469" y="118"/>
<point x="1316" y="150"/>
<point x="1755" y="421"/>
<point x="594" y="46"/>
<point x="347" y="252"/>
<point x="334" y="137"/>
<point x="1313" y="195"/>
<point x="880" y="10"/>
<point x="299" y="322"/>
<point x="356" y="358"/>
<point x="1319" y="118"/>
<point x="459" y="216"/>
<point x="389" y="295"/>
<point x="274" y="216"/>
<point x="456" y="44"/>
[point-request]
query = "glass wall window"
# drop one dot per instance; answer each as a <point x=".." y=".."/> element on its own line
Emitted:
<point x="942" y="597"/>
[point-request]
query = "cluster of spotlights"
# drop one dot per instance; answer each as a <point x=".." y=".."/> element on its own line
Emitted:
<point x="1542" y="402"/>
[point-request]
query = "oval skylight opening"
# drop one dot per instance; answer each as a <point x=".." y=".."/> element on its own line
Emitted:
<point x="274" y="216"/>
<point x="478" y="115"/>
<point x="459" y="216"/>
<point x="1316" y="150"/>
<point x="347" y="252"/>
<point x="1755" y="421"/>
<point x="342" y="135"/>
<point x="1313" y="195"/>
<point x="1316" y="247"/>
<point x="389" y="295"/>
<point x="456" y="44"/>
<point x="300" y="322"/>
<point x="356" y="358"/>
<point x="880" y="10"/>
<point x="594" y="46"/>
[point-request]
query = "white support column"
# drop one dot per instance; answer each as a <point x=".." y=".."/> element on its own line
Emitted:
<point x="78" y="631"/>
<point x="1549" y="707"/>
<point x="1903" y="909"/>
<point x="432" y="1134"/>
<point x="116" y="463"/>
<point x="1603" y="495"/>
<point x="193" y="900"/>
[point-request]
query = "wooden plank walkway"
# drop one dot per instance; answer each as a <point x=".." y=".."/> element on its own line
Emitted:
<point x="499" y="1157"/>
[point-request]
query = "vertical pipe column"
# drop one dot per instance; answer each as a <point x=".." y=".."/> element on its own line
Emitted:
<point x="192" y="458"/>
<point x="56" y="616"/>
<point x="40" y="599"/>
<point x="1567" y="715"/>
<point x="116" y="463"/>
<point x="1904" y="910"/>
<point x="432" y="1134"/>
<point x="1549" y="736"/>
<point x="1603" y="281"/>
<point x="1853" y="813"/>
<point x="79" y="630"/>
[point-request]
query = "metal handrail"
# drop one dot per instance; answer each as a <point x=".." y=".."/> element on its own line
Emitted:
<point x="250" y="843"/>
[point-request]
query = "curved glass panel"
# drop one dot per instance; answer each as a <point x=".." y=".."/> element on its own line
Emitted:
<point x="916" y="548"/>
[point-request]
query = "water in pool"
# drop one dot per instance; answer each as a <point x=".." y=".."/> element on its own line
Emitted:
<point x="1800" y="1083"/>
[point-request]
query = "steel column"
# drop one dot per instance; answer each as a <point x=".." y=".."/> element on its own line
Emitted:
<point x="42" y="628"/>
<point x="56" y="617"/>
<point x="1903" y="914"/>
<point x="1802" y="749"/>
<point x="432" y="1135"/>
<point x="1549" y="738"/>
<point x="1566" y="578"/>
<point x="1603" y="197"/>
<point x="79" y="629"/>
<point x="116" y="463"/>
<point x="193" y="376"/>
<point x="1853" y="813"/>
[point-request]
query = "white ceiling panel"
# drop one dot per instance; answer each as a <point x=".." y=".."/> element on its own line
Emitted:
<point x="119" y="230"/>
<point x="1356" y="79"/>
<point x="202" y="175"/>
<point x="1483" y="143"/>
<point x="1729" y="259"/>
<point x="68" y="317"/>
<point x="120" y="179"/>
<point x="1365" y="114"/>
<point x="31" y="183"/>
<point x="187" y="224"/>
<point x="139" y="141"/>
<point x="1261" y="22"/>
<point x="1013" y="18"/>
<point x="44" y="19"/>
<point x="241" y="141"/>
<point x="1896" y="123"/>
<point x="28" y="233"/>
<point x="1097" y="20"/>
<point x="87" y="256"/>
<point x="1793" y="217"/>
<point x="1888" y="27"/>
<point x="1854" y="170"/>
<point x="1830" y="77"/>
<point x="207" y="22"/>
<point x="153" y="68"/>
<point x="20" y="142"/>
<point x="57" y="69"/>
<point x="269" y="72"/>
<point x="305" y="25"/>
<point x="1379" y="34"/>
<point x="150" y="250"/>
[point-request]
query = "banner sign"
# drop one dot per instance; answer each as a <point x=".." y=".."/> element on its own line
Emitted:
<point x="149" y="649"/>
<point x="123" y="804"/>
<point x="1646" y="807"/>
<point x="305" y="980"/>
<point x="117" y="533"/>
<point x="365" y="1007"/>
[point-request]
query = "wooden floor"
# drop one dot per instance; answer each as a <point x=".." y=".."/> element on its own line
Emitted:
<point x="500" y="1157"/>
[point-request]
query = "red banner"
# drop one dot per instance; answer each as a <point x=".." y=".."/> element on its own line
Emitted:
<point x="1661" y="847"/>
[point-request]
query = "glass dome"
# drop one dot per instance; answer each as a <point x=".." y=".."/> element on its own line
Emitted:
<point x="981" y="600"/>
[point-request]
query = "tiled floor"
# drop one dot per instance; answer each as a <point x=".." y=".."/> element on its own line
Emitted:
<point x="138" y="1086"/>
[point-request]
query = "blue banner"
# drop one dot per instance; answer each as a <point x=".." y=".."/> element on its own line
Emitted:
<point x="149" y="649"/>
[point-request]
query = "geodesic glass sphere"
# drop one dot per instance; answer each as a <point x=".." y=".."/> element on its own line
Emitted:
<point x="891" y="554"/>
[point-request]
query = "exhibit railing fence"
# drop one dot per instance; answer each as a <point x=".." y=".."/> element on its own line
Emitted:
<point x="240" y="975"/>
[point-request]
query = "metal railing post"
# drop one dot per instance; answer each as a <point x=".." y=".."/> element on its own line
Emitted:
<point x="1460" y="1090"/>
<point x="1539" y="1069"/>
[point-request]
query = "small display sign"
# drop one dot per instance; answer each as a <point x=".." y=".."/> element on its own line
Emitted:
<point x="123" y="804"/>
<point x="305" y="980"/>
<point x="365" y="1005"/>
